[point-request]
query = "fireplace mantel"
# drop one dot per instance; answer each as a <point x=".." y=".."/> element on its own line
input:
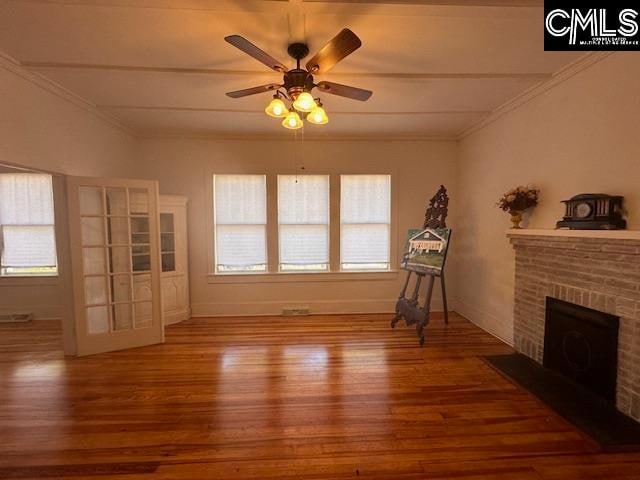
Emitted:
<point x="603" y="234"/>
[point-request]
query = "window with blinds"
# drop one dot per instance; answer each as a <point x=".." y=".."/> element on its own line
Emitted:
<point x="27" y="231"/>
<point x="240" y="215"/>
<point x="303" y="222"/>
<point x="365" y="222"/>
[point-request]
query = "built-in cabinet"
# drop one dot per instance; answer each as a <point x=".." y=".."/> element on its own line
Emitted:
<point x="174" y="258"/>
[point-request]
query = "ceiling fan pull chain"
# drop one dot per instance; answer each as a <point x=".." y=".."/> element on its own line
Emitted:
<point x="295" y="152"/>
<point x="303" y="151"/>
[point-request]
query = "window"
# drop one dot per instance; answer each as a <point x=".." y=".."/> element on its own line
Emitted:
<point x="303" y="222"/>
<point x="240" y="223"/>
<point x="27" y="232"/>
<point x="365" y="222"/>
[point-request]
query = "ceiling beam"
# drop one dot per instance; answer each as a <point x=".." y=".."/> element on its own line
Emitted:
<point x="244" y="111"/>
<point x="453" y="3"/>
<point x="212" y="71"/>
<point x="279" y="6"/>
<point x="270" y="5"/>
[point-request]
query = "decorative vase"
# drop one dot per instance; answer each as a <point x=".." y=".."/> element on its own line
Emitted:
<point x="516" y="218"/>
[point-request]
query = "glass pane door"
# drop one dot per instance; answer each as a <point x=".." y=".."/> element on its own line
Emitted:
<point x="119" y="276"/>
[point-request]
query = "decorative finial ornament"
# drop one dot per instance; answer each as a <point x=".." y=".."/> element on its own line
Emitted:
<point x="436" y="214"/>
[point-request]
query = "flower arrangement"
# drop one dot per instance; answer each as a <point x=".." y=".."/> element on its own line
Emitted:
<point x="517" y="200"/>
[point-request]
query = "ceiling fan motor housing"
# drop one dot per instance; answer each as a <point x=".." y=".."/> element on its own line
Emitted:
<point x="297" y="81"/>
<point x="298" y="50"/>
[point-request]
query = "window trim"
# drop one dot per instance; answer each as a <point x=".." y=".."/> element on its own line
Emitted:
<point x="273" y="274"/>
<point x="301" y="276"/>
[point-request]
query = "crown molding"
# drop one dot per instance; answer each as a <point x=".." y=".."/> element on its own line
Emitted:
<point x="42" y="65"/>
<point x="279" y="6"/>
<point x="530" y="94"/>
<point x="457" y="3"/>
<point x="282" y="6"/>
<point x="12" y="65"/>
<point x="288" y="137"/>
<point x="169" y="108"/>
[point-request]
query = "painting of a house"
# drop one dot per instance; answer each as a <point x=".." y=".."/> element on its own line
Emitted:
<point x="426" y="250"/>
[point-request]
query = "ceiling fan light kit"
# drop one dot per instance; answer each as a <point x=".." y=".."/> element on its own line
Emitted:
<point x="276" y="108"/>
<point x="292" y="121"/>
<point x="298" y="82"/>
<point x="318" y="116"/>
<point x="304" y="102"/>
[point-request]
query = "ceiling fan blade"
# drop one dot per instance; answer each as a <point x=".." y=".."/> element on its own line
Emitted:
<point x="250" y="49"/>
<point x="345" y="91"/>
<point x="252" y="91"/>
<point x="343" y="44"/>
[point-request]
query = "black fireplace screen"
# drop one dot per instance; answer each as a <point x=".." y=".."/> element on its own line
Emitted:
<point x="582" y="344"/>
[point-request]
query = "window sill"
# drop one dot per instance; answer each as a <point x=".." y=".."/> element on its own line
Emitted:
<point x="28" y="280"/>
<point x="287" y="277"/>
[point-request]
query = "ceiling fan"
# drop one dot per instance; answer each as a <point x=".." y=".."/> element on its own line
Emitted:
<point x="298" y="82"/>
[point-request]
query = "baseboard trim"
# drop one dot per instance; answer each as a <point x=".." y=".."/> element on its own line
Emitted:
<point x="176" y="317"/>
<point x="318" y="307"/>
<point x="481" y="319"/>
<point x="41" y="312"/>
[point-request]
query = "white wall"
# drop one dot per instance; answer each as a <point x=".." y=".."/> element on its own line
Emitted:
<point x="185" y="167"/>
<point x="44" y="130"/>
<point x="578" y="137"/>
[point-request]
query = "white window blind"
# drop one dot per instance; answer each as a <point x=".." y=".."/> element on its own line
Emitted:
<point x="27" y="232"/>
<point x="365" y="216"/>
<point x="240" y="206"/>
<point x="303" y="222"/>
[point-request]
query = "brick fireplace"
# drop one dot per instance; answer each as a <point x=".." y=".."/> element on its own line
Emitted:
<point x="599" y="270"/>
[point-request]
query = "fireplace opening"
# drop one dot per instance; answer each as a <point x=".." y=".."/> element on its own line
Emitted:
<point x="582" y="344"/>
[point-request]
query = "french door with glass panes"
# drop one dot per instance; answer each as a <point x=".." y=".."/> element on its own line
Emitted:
<point x="115" y="253"/>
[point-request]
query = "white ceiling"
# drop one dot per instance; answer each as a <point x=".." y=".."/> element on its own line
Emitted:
<point x="163" y="67"/>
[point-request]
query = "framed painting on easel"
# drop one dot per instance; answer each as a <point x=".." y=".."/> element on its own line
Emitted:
<point x="426" y="250"/>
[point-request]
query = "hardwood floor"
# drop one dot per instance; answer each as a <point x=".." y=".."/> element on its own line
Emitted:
<point x="40" y="339"/>
<point x="320" y="397"/>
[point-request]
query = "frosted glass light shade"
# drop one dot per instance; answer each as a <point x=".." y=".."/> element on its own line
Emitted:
<point x="292" y="121"/>
<point x="318" y="116"/>
<point x="276" y="108"/>
<point x="304" y="102"/>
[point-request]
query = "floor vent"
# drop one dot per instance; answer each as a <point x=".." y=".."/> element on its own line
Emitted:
<point x="15" y="317"/>
<point x="291" y="311"/>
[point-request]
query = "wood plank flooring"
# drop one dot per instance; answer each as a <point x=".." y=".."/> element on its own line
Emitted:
<point x="321" y="397"/>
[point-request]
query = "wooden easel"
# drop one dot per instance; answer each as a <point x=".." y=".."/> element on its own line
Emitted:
<point x="408" y="308"/>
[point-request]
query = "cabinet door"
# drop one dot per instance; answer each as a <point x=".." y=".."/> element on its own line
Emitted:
<point x="175" y="275"/>
<point x="168" y="241"/>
